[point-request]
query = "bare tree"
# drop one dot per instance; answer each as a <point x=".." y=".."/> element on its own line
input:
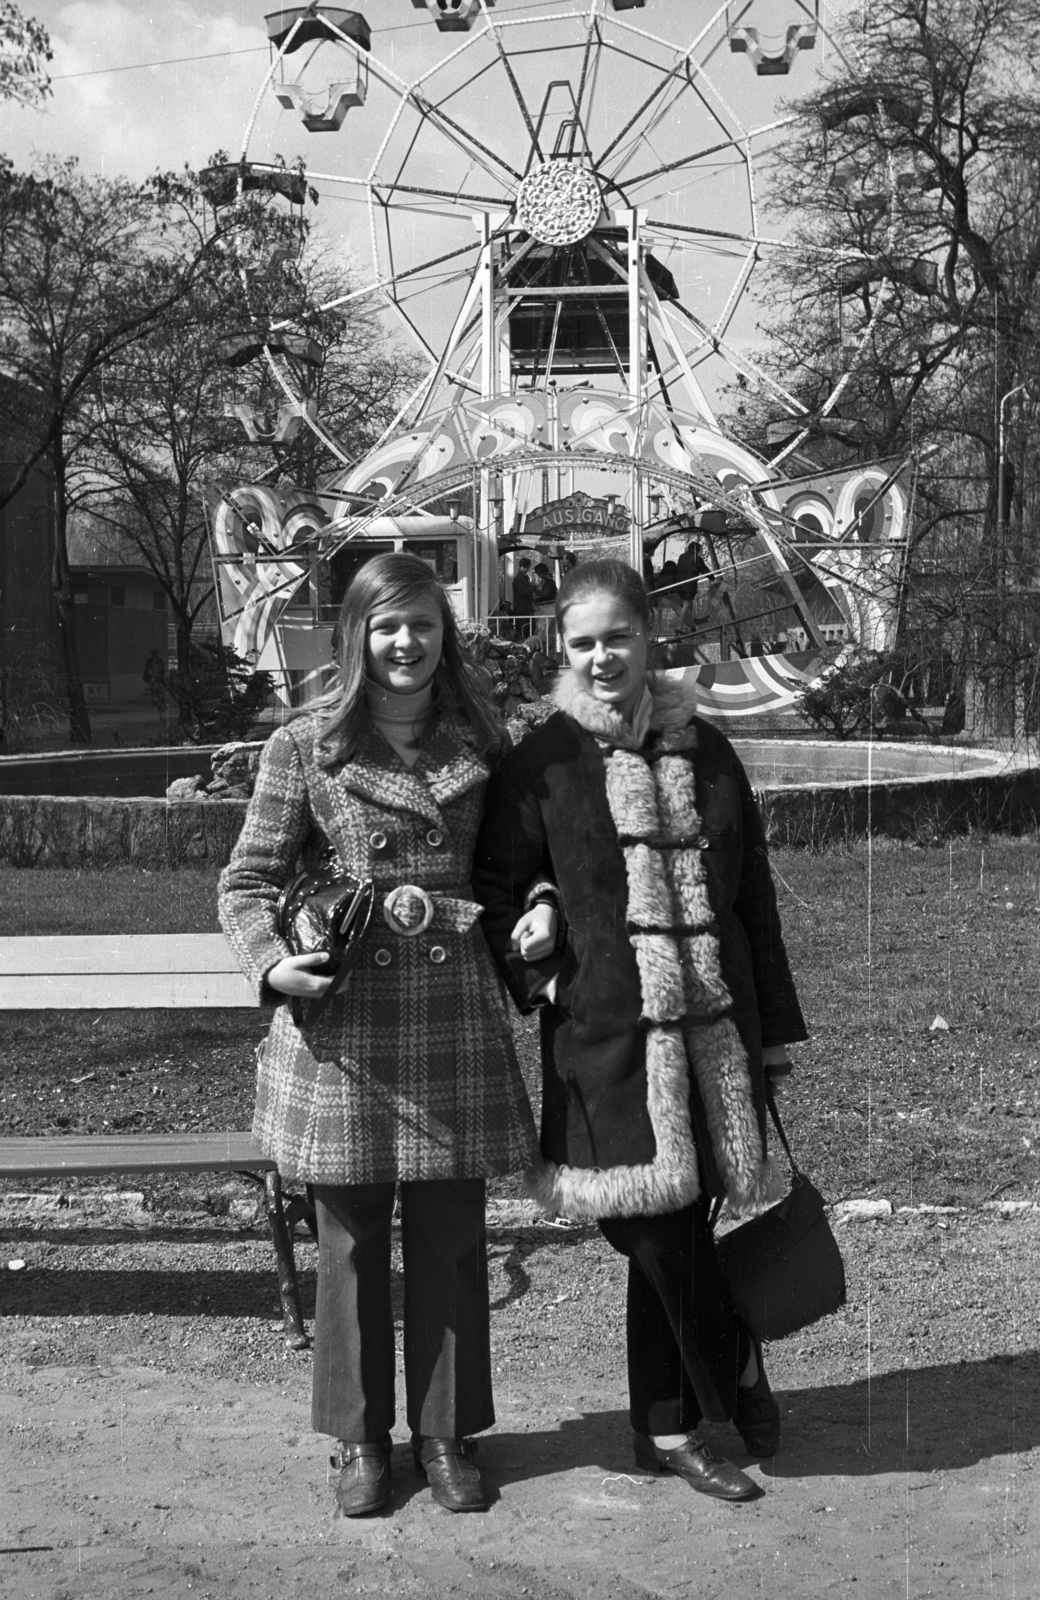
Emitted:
<point x="87" y="266"/>
<point x="906" y="309"/>
<point x="24" y="47"/>
<point x="162" y="436"/>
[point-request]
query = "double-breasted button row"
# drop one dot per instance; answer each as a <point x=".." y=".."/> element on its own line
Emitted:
<point x="379" y="840"/>
<point x="383" y="957"/>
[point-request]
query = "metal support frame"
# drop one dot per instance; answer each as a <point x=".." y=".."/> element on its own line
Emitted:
<point x="282" y="1216"/>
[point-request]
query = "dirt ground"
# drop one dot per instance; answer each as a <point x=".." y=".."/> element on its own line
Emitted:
<point x="156" y="1441"/>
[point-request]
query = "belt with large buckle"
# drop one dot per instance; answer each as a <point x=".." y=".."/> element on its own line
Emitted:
<point x="409" y="911"/>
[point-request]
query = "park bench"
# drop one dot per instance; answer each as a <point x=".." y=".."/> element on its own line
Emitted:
<point x="145" y="971"/>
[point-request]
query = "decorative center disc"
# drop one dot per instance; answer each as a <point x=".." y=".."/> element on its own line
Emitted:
<point x="558" y="203"/>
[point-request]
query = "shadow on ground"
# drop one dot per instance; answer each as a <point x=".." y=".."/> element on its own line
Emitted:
<point x="923" y="1419"/>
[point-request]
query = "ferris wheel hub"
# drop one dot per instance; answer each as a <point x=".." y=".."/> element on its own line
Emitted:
<point x="559" y="202"/>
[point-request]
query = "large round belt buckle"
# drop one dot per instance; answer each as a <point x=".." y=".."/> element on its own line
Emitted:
<point x="408" y="910"/>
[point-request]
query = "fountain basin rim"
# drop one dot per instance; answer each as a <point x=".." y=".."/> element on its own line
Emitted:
<point x="966" y="763"/>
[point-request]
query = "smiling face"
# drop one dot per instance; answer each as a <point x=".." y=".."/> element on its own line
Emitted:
<point x="403" y="645"/>
<point x="606" y="647"/>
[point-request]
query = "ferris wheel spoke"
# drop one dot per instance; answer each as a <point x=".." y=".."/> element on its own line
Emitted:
<point x="732" y="143"/>
<point x="507" y="67"/>
<point x="687" y="234"/>
<point x="462" y="137"/>
<point x="413" y="94"/>
<point x="641" y="110"/>
<point x="391" y="186"/>
<point x="641" y="138"/>
<point x="592" y="31"/>
<point x="711" y="341"/>
<point x="721" y="324"/>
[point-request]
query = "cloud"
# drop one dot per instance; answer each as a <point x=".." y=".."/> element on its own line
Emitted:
<point x="133" y="122"/>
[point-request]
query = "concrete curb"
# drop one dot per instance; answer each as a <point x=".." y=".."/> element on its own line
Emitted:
<point x="500" y="1213"/>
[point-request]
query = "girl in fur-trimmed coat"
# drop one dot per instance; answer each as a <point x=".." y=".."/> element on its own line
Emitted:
<point x="665" y="1001"/>
<point x="409" y="1075"/>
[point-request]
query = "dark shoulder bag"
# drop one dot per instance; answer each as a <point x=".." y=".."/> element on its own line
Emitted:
<point x="784" y="1267"/>
<point x="325" y="912"/>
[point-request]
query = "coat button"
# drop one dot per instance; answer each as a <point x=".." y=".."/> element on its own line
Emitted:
<point x="377" y="840"/>
<point x="435" y="838"/>
<point x="382" y="958"/>
<point x="438" y="954"/>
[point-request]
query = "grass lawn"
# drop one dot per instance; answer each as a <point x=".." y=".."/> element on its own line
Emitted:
<point x="883" y="939"/>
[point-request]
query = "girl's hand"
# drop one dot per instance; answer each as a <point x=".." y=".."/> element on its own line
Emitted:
<point x="535" y="934"/>
<point x="293" y="976"/>
<point x="777" y="1064"/>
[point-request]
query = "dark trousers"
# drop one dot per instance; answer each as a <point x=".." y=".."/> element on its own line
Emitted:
<point x="447" y="1335"/>
<point x="686" y="1346"/>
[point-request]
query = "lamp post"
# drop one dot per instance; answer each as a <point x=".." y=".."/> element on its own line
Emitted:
<point x="1001" y="509"/>
<point x="1019" y="388"/>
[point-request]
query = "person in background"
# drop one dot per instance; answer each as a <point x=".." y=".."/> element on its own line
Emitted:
<point x="666" y="999"/>
<point x="665" y="596"/>
<point x="523" y="597"/>
<point x="690" y="568"/>
<point x="544" y="587"/>
<point x="154" y="679"/>
<point x="409" y="1076"/>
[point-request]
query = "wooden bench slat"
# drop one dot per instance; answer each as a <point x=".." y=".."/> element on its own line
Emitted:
<point x="80" y="1155"/>
<point x="116" y="953"/>
<point x="175" y="991"/>
<point x="139" y="971"/>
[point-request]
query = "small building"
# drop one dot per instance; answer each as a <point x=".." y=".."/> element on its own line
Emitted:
<point x="28" y="615"/>
<point x="120" y="618"/>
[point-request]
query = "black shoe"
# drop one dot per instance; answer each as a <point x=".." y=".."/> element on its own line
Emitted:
<point x="364" y="1480"/>
<point x="454" y="1480"/>
<point x="701" y="1467"/>
<point x="756" y="1414"/>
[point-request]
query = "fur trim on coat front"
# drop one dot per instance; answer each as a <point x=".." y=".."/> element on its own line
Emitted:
<point x="686" y="1006"/>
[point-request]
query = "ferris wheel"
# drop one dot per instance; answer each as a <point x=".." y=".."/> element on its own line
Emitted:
<point x="559" y="205"/>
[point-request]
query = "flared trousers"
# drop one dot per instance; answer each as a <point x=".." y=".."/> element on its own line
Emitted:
<point x="447" y="1338"/>
<point x="686" y="1345"/>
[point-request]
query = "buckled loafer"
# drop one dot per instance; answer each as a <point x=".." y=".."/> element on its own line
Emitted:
<point x="365" y="1483"/>
<point x="702" y="1469"/>
<point x="454" y="1481"/>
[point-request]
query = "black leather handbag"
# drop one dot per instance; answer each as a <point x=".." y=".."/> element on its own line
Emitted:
<point x="326" y="912"/>
<point x="784" y="1267"/>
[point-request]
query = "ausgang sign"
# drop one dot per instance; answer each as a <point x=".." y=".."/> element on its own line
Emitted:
<point x="578" y="514"/>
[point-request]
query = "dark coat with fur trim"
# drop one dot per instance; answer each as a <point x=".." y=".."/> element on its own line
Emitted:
<point x="674" y="973"/>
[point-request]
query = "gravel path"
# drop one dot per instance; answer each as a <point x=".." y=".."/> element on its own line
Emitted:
<point x="156" y="1441"/>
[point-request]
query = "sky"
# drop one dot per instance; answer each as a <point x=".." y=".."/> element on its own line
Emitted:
<point x="120" y="121"/>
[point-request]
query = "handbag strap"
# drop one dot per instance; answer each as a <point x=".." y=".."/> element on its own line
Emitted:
<point x="775" y="1114"/>
<point x="720" y="1199"/>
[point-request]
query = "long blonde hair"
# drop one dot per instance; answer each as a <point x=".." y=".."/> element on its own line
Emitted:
<point x="385" y="583"/>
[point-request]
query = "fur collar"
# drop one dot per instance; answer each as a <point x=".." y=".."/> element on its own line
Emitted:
<point x="670" y="724"/>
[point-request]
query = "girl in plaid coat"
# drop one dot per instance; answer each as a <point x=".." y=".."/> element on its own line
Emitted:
<point x="409" y="1076"/>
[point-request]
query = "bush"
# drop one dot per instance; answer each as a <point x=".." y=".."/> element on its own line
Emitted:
<point x="220" y="696"/>
<point x="856" y="694"/>
<point x="31" y="682"/>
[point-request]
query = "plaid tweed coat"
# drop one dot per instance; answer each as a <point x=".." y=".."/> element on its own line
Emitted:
<point x="411" y="1073"/>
